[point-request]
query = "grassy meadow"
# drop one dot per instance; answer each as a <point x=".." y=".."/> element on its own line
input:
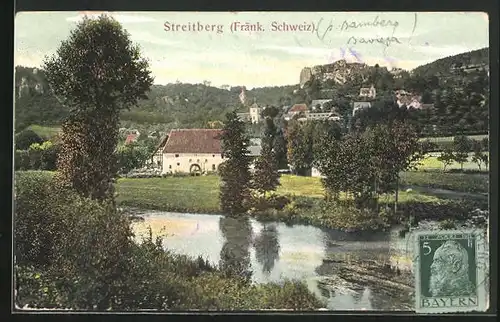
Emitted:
<point x="46" y="132"/>
<point x="201" y="194"/>
<point x="431" y="162"/>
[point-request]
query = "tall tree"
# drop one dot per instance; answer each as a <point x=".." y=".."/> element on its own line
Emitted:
<point x="234" y="171"/>
<point x="95" y="73"/>
<point x="280" y="145"/>
<point x="462" y="146"/>
<point x="299" y="149"/>
<point x="266" y="176"/>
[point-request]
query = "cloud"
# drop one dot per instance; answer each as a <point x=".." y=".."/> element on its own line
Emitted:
<point x="121" y="18"/>
<point x="443" y="51"/>
<point x="145" y="36"/>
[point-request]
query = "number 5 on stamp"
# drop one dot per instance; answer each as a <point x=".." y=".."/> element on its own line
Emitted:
<point x="449" y="274"/>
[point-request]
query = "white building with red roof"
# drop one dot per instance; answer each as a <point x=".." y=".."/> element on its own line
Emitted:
<point x="190" y="151"/>
<point x="193" y="151"/>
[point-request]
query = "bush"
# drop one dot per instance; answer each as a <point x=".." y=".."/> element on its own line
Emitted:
<point x="273" y="201"/>
<point x="350" y="218"/>
<point x="21" y="160"/>
<point x="72" y="252"/>
<point x="57" y="232"/>
<point x="26" y="138"/>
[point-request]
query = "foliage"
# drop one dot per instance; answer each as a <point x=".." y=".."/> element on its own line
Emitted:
<point x="75" y="253"/>
<point x="479" y="157"/>
<point x="300" y="145"/>
<point x="280" y="149"/>
<point x="234" y="171"/>
<point x="266" y="176"/>
<point x="26" y="138"/>
<point x="21" y="160"/>
<point x="446" y="157"/>
<point x="95" y="73"/>
<point x="131" y="156"/>
<point x="57" y="231"/>
<point x="367" y="164"/>
<point x="462" y="146"/>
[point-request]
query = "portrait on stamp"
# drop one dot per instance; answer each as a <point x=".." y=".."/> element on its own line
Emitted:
<point x="448" y="274"/>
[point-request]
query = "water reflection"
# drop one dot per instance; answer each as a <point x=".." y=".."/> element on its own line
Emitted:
<point x="267" y="248"/>
<point x="327" y="261"/>
<point x="235" y="252"/>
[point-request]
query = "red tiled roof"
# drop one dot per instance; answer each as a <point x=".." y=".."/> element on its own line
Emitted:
<point x="131" y="138"/>
<point x="194" y="141"/>
<point x="298" y="108"/>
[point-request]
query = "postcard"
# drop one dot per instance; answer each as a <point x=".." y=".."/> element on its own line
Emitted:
<point x="221" y="161"/>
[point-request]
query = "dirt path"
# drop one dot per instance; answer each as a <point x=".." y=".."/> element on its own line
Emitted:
<point x="444" y="193"/>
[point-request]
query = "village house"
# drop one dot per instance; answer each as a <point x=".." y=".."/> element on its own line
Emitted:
<point x="368" y="92"/>
<point x="193" y="151"/>
<point x="131" y="138"/>
<point x="296" y="109"/>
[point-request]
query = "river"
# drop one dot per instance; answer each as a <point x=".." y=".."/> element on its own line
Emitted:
<point x="341" y="268"/>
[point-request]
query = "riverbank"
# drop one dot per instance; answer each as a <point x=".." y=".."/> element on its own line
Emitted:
<point x="201" y="195"/>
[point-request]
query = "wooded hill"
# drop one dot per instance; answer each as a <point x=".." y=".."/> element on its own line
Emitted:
<point x="195" y="105"/>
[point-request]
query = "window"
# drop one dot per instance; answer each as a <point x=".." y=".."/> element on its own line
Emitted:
<point x="222" y="155"/>
<point x="206" y="160"/>
<point x="178" y="164"/>
<point x="213" y="167"/>
<point x="198" y="161"/>
<point x="176" y="155"/>
<point x="190" y="160"/>
<point x="213" y="155"/>
<point x="170" y="166"/>
<point x="158" y="163"/>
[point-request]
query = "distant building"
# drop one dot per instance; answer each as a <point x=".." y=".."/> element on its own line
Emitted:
<point x="316" y="173"/>
<point x="131" y="138"/>
<point x="320" y="116"/>
<point x="245" y="117"/>
<point x="368" y="92"/>
<point x="254" y="115"/>
<point x="296" y="109"/>
<point x="192" y="151"/>
<point x="356" y="106"/>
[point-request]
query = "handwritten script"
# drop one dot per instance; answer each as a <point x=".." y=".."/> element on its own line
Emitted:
<point x="325" y="29"/>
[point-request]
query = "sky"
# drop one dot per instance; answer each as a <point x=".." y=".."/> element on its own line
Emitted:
<point x="269" y="56"/>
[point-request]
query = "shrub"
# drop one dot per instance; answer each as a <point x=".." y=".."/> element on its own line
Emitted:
<point x="447" y="224"/>
<point x="351" y="218"/>
<point x="21" y="160"/>
<point x="26" y="138"/>
<point x="58" y="232"/>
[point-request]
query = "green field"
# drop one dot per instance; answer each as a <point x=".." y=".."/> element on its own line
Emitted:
<point x="432" y="163"/>
<point x="201" y="194"/>
<point x="45" y="132"/>
<point x="462" y="182"/>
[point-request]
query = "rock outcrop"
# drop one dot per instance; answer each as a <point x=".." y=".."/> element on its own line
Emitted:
<point x="340" y="71"/>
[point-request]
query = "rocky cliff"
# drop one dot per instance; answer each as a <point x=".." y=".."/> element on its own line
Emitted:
<point x="340" y="72"/>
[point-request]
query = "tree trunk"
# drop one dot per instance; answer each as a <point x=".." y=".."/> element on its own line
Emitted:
<point x="396" y="195"/>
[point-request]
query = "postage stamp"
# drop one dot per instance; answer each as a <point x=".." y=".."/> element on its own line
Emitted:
<point x="450" y="271"/>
